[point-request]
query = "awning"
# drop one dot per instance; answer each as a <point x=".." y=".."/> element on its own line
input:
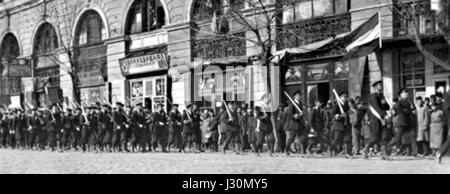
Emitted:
<point x="222" y="61"/>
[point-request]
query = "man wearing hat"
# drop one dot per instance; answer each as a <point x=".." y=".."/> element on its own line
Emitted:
<point x="34" y="125"/>
<point x="377" y="111"/>
<point x="139" y="129"/>
<point x="188" y="132"/>
<point x="230" y="124"/>
<point x="160" y="126"/>
<point x="3" y="129"/>
<point x="175" y="127"/>
<point x="86" y="129"/>
<point x="294" y="123"/>
<point x="104" y="120"/>
<point x="75" y="134"/>
<point x="404" y="113"/>
<point x="93" y="135"/>
<point x="53" y="124"/>
<point x="119" y="121"/>
<point x="340" y="125"/>
<point x="67" y="129"/>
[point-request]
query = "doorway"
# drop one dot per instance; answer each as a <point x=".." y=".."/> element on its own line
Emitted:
<point x="319" y="91"/>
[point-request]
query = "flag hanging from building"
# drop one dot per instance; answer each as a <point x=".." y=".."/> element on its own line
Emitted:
<point x="365" y="39"/>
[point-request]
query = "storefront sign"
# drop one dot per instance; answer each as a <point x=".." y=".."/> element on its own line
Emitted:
<point x="144" y="64"/>
<point x="15" y="102"/>
<point x="17" y="68"/>
<point x="318" y="72"/>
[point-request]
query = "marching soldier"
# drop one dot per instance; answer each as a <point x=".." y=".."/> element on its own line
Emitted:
<point x="377" y="113"/>
<point x="53" y="124"/>
<point x="188" y="132"/>
<point x="104" y="120"/>
<point x="93" y="135"/>
<point x="3" y="129"/>
<point x="119" y="121"/>
<point x="175" y="127"/>
<point x="34" y="126"/>
<point x="149" y="127"/>
<point x="403" y="110"/>
<point x="139" y="129"/>
<point x="229" y="123"/>
<point x="264" y="130"/>
<point x="125" y="134"/>
<point x="294" y="122"/>
<point x="160" y="126"/>
<point x="75" y="134"/>
<point x="340" y="125"/>
<point x="86" y="129"/>
<point x="67" y="129"/>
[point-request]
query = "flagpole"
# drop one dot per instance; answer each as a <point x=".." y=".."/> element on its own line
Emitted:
<point x="381" y="26"/>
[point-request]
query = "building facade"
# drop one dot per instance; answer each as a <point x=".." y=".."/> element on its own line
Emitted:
<point x="146" y="51"/>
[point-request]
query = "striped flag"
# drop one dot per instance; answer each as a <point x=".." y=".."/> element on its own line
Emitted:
<point x="365" y="39"/>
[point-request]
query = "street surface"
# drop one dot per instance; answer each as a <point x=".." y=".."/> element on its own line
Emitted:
<point x="26" y="162"/>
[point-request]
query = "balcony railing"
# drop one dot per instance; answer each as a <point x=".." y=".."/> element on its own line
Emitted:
<point x="313" y="30"/>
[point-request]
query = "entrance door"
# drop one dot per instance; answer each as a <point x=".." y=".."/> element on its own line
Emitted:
<point x="320" y="91"/>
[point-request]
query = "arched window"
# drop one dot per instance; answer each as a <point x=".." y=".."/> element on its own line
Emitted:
<point x="46" y="40"/>
<point x="10" y="47"/>
<point x="90" y="30"/>
<point x="145" y="16"/>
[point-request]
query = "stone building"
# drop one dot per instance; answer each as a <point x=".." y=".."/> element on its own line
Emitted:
<point x="146" y="51"/>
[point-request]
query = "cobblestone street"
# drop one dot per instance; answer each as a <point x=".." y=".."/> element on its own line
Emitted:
<point x="206" y="163"/>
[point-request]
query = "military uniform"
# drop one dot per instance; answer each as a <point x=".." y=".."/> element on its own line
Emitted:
<point x="265" y="130"/>
<point x="139" y="129"/>
<point x="161" y="133"/>
<point x="119" y="121"/>
<point x="404" y="113"/>
<point x="3" y="130"/>
<point x="104" y="120"/>
<point x="175" y="128"/>
<point x="340" y="127"/>
<point x="67" y="130"/>
<point x="53" y="125"/>
<point x="34" y="124"/>
<point x="230" y="126"/>
<point x="75" y="134"/>
<point x="294" y="125"/>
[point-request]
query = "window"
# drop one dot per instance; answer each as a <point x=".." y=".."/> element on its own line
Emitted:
<point x="46" y="40"/>
<point x="307" y="9"/>
<point x="413" y="72"/>
<point x="145" y="16"/>
<point x="10" y="47"/>
<point x="91" y="30"/>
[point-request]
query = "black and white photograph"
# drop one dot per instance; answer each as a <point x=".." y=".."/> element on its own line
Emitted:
<point x="246" y="87"/>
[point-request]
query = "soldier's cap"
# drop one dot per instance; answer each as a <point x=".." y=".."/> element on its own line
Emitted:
<point x="377" y="83"/>
<point x="105" y="105"/>
<point x="119" y="104"/>
<point x="402" y="90"/>
<point x="189" y="106"/>
<point x="297" y="92"/>
<point x="128" y="106"/>
<point x="439" y="95"/>
<point x="68" y="109"/>
<point x="175" y="105"/>
<point x="160" y="105"/>
<point x="139" y="104"/>
<point x="343" y="94"/>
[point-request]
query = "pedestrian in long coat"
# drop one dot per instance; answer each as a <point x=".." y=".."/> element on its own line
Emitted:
<point x="423" y="125"/>
<point x="436" y="128"/>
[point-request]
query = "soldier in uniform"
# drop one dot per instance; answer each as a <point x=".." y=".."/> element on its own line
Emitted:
<point x="75" y="134"/>
<point x="378" y="125"/>
<point x="126" y="133"/>
<point x="118" y="126"/>
<point x="294" y="122"/>
<point x="160" y="127"/>
<point x="148" y="127"/>
<point x="188" y="133"/>
<point x="404" y="112"/>
<point x="53" y="124"/>
<point x="3" y="129"/>
<point x="93" y="136"/>
<point x="86" y="128"/>
<point x="104" y="120"/>
<point x="340" y="126"/>
<point x="229" y="123"/>
<point x="264" y="130"/>
<point x="19" y="128"/>
<point x="34" y="124"/>
<point x="175" y="127"/>
<point x="67" y="129"/>
<point x="139" y="129"/>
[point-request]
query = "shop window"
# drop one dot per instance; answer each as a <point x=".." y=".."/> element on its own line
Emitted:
<point x="307" y="9"/>
<point x="442" y="54"/>
<point x="413" y="72"/>
<point x="145" y="16"/>
<point x="9" y="48"/>
<point x="91" y="30"/>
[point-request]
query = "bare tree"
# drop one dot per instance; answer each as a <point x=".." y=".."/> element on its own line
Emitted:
<point x="260" y="17"/>
<point x="412" y="10"/>
<point x="63" y="14"/>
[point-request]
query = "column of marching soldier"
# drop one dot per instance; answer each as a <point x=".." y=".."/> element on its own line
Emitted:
<point x="345" y="127"/>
